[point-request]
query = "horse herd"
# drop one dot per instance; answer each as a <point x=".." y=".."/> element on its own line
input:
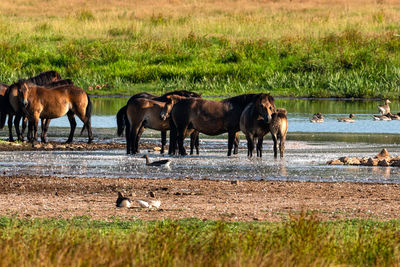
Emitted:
<point x="184" y="113"/>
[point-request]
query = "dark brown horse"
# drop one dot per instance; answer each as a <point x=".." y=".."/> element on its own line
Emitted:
<point x="41" y="102"/>
<point x="11" y="105"/>
<point x="213" y="117"/>
<point x="123" y="122"/>
<point x="146" y="113"/>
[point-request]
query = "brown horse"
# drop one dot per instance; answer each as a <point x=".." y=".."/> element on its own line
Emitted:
<point x="213" y="117"/>
<point x="3" y="107"/>
<point x="123" y="122"/>
<point x="40" y="102"/>
<point x="255" y="126"/>
<point x="279" y="127"/>
<point x="12" y="107"/>
<point x="145" y="113"/>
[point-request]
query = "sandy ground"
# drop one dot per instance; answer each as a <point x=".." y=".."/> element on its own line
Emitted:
<point x="34" y="196"/>
<point x="204" y="199"/>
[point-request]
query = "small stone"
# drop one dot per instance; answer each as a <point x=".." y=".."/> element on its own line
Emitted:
<point x="235" y="182"/>
<point x="49" y="146"/>
<point x="384" y="163"/>
<point x="372" y="162"/>
<point x="344" y="159"/>
<point x="61" y="146"/>
<point x="395" y="163"/>
<point x="353" y="161"/>
<point x="38" y="146"/>
<point x="335" y="162"/>
<point x="383" y="154"/>
<point x="156" y="148"/>
<point x="363" y="161"/>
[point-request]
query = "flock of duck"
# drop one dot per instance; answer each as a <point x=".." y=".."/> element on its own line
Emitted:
<point x="384" y="111"/>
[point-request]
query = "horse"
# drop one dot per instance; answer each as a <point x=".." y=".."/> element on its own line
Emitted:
<point x="213" y="117"/>
<point x="146" y="113"/>
<point x="3" y="109"/>
<point x="278" y="127"/>
<point x="11" y="105"/>
<point x="123" y="122"/>
<point x="40" y="102"/>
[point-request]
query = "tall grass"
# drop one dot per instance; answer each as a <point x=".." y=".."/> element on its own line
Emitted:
<point x="299" y="48"/>
<point x="300" y="241"/>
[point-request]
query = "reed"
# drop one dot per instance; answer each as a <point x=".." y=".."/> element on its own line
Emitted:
<point x="293" y="48"/>
<point x="300" y="240"/>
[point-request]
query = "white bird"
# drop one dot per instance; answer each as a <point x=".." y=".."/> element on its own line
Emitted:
<point x="154" y="203"/>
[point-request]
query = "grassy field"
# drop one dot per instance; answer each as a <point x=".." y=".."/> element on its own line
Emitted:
<point x="289" y="48"/>
<point x="299" y="241"/>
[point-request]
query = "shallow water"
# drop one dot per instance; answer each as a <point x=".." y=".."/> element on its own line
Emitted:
<point x="309" y="147"/>
<point x="304" y="161"/>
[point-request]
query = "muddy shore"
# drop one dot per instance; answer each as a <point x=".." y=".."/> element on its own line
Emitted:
<point x="35" y="196"/>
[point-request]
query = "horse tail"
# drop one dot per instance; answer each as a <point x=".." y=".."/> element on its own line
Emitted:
<point x="88" y="114"/>
<point x="121" y="118"/>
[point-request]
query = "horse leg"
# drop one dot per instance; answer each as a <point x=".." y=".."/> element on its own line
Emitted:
<point x="250" y="145"/>
<point x="127" y="136"/>
<point x="133" y="136"/>
<point x="282" y="145"/>
<point x="45" y="128"/>
<point x="17" y="119"/>
<point x="72" y="123"/>
<point x="89" y="129"/>
<point x="275" y="139"/>
<point x="197" y="142"/>
<point x="138" y="135"/>
<point x="24" y="123"/>
<point x="163" y="141"/>
<point x="172" y="138"/>
<point x="181" y="138"/>
<point x="231" y="138"/>
<point x="259" y="146"/>
<point x="236" y="144"/>
<point x="10" y="133"/>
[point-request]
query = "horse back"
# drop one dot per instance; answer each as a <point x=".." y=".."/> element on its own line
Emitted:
<point x="147" y="112"/>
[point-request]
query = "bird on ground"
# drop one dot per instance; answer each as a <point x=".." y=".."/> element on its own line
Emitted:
<point x="159" y="163"/>
<point x="152" y="203"/>
<point x="123" y="202"/>
<point x="317" y="117"/>
<point x="349" y="119"/>
<point x="384" y="109"/>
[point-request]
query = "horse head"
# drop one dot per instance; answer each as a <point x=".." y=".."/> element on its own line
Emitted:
<point x="169" y="104"/>
<point x="265" y="106"/>
<point x="23" y="88"/>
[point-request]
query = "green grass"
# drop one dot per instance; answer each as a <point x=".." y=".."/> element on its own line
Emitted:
<point x="298" y="241"/>
<point x="313" y="50"/>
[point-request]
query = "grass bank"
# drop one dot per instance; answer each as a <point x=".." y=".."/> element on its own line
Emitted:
<point x="300" y="48"/>
<point x="299" y="241"/>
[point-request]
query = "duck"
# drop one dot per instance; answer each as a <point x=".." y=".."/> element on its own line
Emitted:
<point x="394" y="116"/>
<point x="349" y="119"/>
<point x="159" y="163"/>
<point x="123" y="202"/>
<point x="317" y="118"/>
<point x="153" y="203"/>
<point x="382" y="117"/>
<point x="384" y="109"/>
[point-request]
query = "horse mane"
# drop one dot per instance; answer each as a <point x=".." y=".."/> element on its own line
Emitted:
<point x="182" y="93"/>
<point x="45" y="77"/>
<point x="242" y="100"/>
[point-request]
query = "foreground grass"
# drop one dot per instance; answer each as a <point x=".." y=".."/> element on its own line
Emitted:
<point x="300" y="241"/>
<point x="305" y="48"/>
